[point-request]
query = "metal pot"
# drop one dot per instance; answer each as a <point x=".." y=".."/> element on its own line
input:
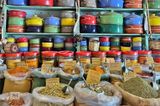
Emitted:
<point x="66" y="29"/>
<point x="52" y="21"/>
<point x="154" y="4"/>
<point x="133" y="19"/>
<point x="103" y="3"/>
<point x="41" y="2"/>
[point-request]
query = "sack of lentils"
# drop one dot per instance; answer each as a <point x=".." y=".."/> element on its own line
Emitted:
<point x="137" y="92"/>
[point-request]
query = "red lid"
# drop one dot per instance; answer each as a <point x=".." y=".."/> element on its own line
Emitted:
<point x="69" y="40"/>
<point x="113" y="53"/>
<point x="83" y="53"/>
<point x="98" y="54"/>
<point x="88" y="20"/>
<point x="144" y="52"/>
<point x="104" y="39"/>
<point x="30" y="53"/>
<point x="126" y="39"/>
<point x="49" y="53"/>
<point x="1" y="55"/>
<point x="22" y="39"/>
<point x="17" y="13"/>
<point x="157" y="60"/>
<point x="130" y="53"/>
<point x="155" y="52"/>
<point x="65" y="53"/>
<point x="13" y="54"/>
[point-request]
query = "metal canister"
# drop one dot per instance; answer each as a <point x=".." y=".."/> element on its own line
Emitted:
<point x="69" y="44"/>
<point x="126" y="44"/>
<point x="23" y="44"/>
<point x="58" y="43"/>
<point x="83" y="45"/>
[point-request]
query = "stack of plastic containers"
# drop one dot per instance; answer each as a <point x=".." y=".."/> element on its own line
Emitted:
<point x="111" y="22"/>
<point x="114" y="54"/>
<point x="69" y="44"/>
<point x="67" y="21"/>
<point x="47" y="44"/>
<point x="143" y="55"/>
<point x="126" y="44"/>
<point x="48" y="57"/>
<point x="154" y="3"/>
<point x="34" y="45"/>
<point x="133" y="24"/>
<point x="41" y="2"/>
<point x="84" y="57"/>
<point x="155" y="23"/>
<point x="66" y="3"/>
<point x="88" y="24"/>
<point x="22" y="44"/>
<point x="156" y="56"/>
<point x="104" y="43"/>
<point x="34" y="24"/>
<point x="52" y="25"/>
<point x="58" y="43"/>
<point x="17" y="2"/>
<point x="131" y="55"/>
<point x="99" y="55"/>
<point x="16" y="21"/>
<point x="137" y="43"/>
<point x="154" y="44"/>
<point x="89" y="3"/>
<point x="133" y="4"/>
<point x="110" y="3"/>
<point x="83" y="45"/>
<point x="115" y="43"/>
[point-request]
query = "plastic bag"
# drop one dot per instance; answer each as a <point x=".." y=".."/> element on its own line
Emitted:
<point x="43" y="100"/>
<point x="38" y="73"/>
<point x="3" y="68"/>
<point x="75" y="76"/>
<point x="91" y="98"/>
<point x="26" y="97"/>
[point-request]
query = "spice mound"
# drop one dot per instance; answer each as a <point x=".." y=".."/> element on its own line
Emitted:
<point x="18" y="71"/>
<point x="55" y="90"/>
<point x="16" y="102"/>
<point x="139" y="87"/>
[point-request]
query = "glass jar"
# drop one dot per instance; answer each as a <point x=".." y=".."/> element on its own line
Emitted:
<point x="94" y="44"/>
<point x="84" y="57"/>
<point x="64" y="56"/>
<point x="12" y="59"/>
<point x="143" y="55"/>
<point x="99" y="55"/>
<point x="48" y="57"/>
<point x="31" y="59"/>
<point x="131" y="55"/>
<point x="114" y="54"/>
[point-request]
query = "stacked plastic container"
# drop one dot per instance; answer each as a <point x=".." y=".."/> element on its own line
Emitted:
<point x="22" y="44"/>
<point x="47" y="44"/>
<point x="67" y="21"/>
<point x="104" y="43"/>
<point x="131" y="55"/>
<point x="66" y="3"/>
<point x="126" y="44"/>
<point x="88" y="24"/>
<point x="17" y="2"/>
<point x="69" y="44"/>
<point x="115" y="43"/>
<point x="133" y="4"/>
<point x="134" y="24"/>
<point x="58" y="43"/>
<point x="52" y="25"/>
<point x="83" y="45"/>
<point x="154" y="3"/>
<point x="114" y="54"/>
<point x="41" y="2"/>
<point x="89" y="3"/>
<point x="137" y="43"/>
<point x="34" y="45"/>
<point x="155" y="23"/>
<point x="94" y="44"/>
<point x="156" y="56"/>
<point x="16" y="21"/>
<point x="110" y="3"/>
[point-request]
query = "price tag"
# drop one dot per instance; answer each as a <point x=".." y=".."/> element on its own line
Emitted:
<point x="14" y="95"/>
<point x="96" y="61"/>
<point x="128" y="75"/>
<point x="110" y="60"/>
<point x="51" y="81"/>
<point x="46" y="68"/>
<point x="115" y="66"/>
<point x="137" y="68"/>
<point x="22" y="64"/>
<point x="93" y="77"/>
<point x="69" y="66"/>
<point x="149" y="60"/>
<point x="157" y="67"/>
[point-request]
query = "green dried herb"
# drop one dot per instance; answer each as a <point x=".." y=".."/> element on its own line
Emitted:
<point x="139" y="87"/>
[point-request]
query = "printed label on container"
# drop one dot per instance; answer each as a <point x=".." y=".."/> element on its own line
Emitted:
<point x="93" y="77"/>
<point x="46" y="68"/>
<point x="115" y="66"/>
<point x="110" y="60"/>
<point x="96" y="61"/>
<point x="33" y="63"/>
<point x="51" y="81"/>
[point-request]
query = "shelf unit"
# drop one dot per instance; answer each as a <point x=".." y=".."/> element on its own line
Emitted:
<point x="40" y="9"/>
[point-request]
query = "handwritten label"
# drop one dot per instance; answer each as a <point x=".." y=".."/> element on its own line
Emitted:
<point x="51" y="81"/>
<point x="115" y="66"/>
<point x="157" y="67"/>
<point x="22" y="64"/>
<point x="96" y="61"/>
<point x="128" y="75"/>
<point x="46" y="68"/>
<point x="137" y="68"/>
<point x="93" y="77"/>
<point x="14" y="95"/>
<point x="110" y="60"/>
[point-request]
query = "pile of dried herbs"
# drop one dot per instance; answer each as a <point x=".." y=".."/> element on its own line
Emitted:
<point x="139" y="87"/>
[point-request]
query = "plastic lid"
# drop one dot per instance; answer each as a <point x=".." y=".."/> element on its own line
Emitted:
<point x="19" y="13"/>
<point x="30" y="53"/>
<point x="113" y="53"/>
<point x="49" y="53"/>
<point x="22" y="39"/>
<point x="65" y="53"/>
<point x="104" y="39"/>
<point x="155" y="52"/>
<point x="10" y="40"/>
<point x="83" y="53"/>
<point x="1" y="55"/>
<point x="13" y="54"/>
<point x="130" y="53"/>
<point x="144" y="52"/>
<point x="98" y="53"/>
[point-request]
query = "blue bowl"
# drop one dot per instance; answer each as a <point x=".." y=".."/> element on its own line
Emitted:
<point x="88" y="28"/>
<point x="18" y="2"/>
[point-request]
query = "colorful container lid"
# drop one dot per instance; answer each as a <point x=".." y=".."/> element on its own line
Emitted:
<point x="130" y="53"/>
<point x="83" y="53"/>
<point x="17" y="13"/>
<point x="49" y="53"/>
<point x="1" y="55"/>
<point x="10" y="40"/>
<point x="113" y="53"/>
<point x="30" y="53"/>
<point x="144" y="52"/>
<point x="155" y="52"/>
<point x="13" y="54"/>
<point x="65" y="53"/>
<point x="22" y="39"/>
<point x="98" y="54"/>
<point x="104" y="39"/>
<point x="88" y="20"/>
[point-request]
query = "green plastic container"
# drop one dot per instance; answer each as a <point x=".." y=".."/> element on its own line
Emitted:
<point x="111" y="18"/>
<point x="110" y="29"/>
<point x="16" y="21"/>
<point x="154" y="4"/>
<point x="51" y="29"/>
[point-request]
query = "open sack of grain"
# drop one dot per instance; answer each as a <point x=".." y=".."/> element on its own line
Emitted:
<point x="103" y="94"/>
<point x="137" y="92"/>
<point x="52" y="96"/>
<point x="16" y="80"/>
<point x="15" y="99"/>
